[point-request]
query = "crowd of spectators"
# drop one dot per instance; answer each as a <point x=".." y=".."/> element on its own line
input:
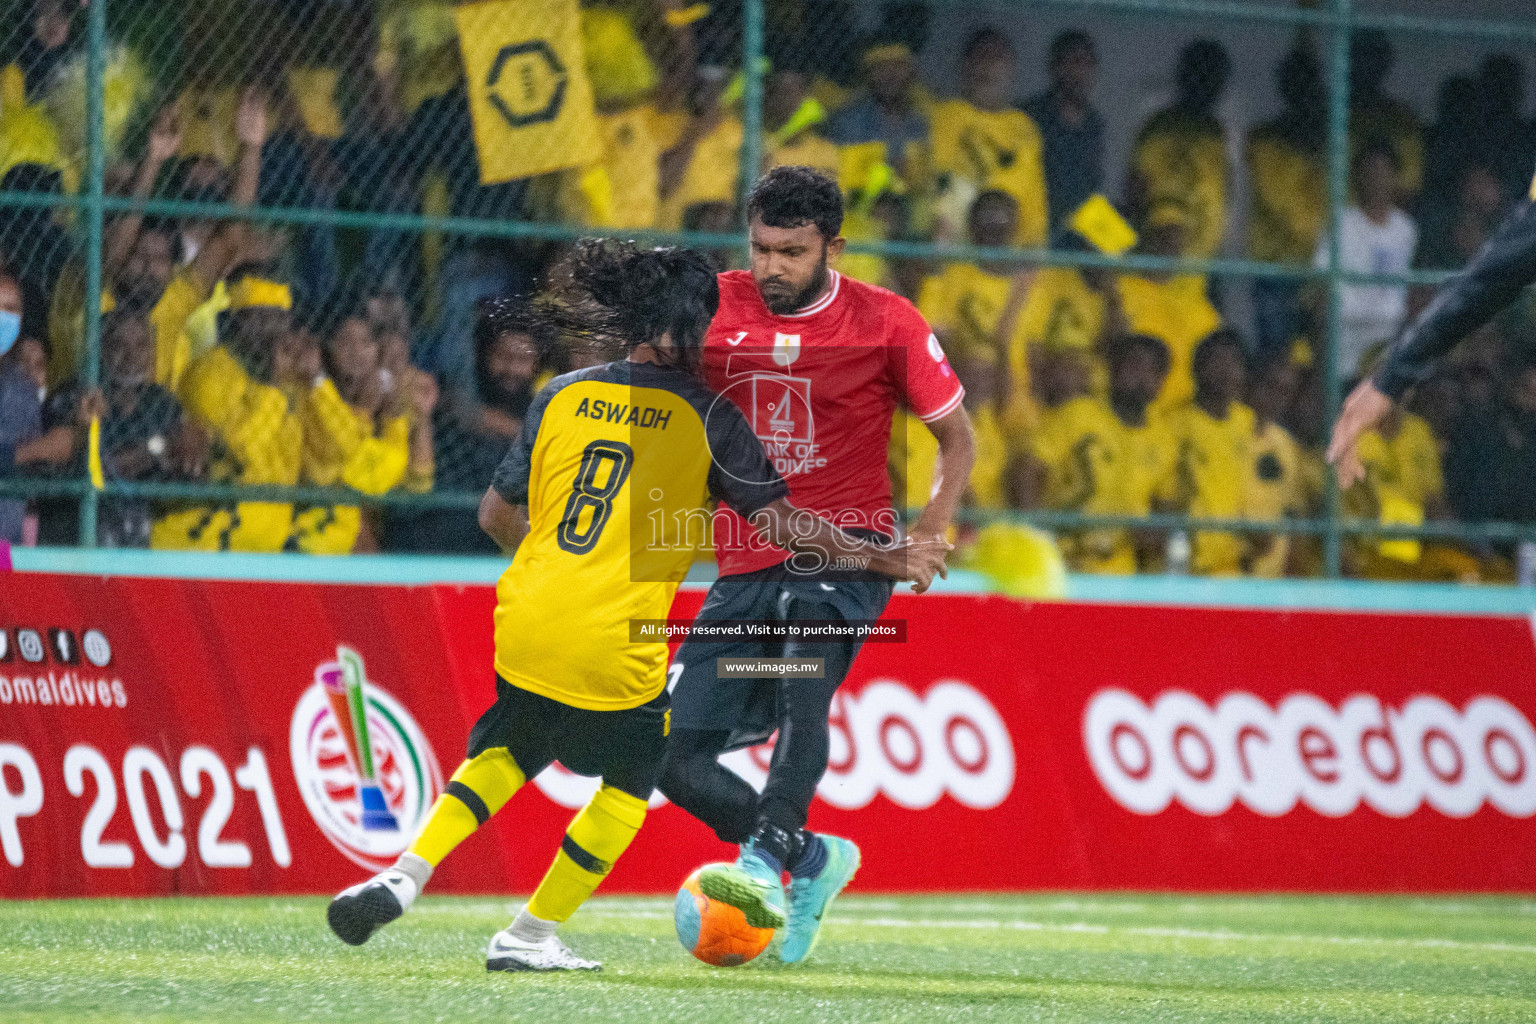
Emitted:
<point x="292" y="352"/>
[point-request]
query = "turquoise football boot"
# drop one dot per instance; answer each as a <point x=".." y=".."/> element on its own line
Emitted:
<point x="809" y="898"/>
<point x="750" y="886"/>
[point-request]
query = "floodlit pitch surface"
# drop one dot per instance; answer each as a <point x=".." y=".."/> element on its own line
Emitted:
<point x="931" y="959"/>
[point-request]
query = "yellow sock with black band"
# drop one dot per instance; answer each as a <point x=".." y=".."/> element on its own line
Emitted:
<point x="596" y="838"/>
<point x="481" y="787"/>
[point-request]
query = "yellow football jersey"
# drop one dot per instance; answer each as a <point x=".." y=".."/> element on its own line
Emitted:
<point x="1184" y="160"/>
<point x="1062" y="312"/>
<point x="1274" y="491"/>
<point x="1152" y="462"/>
<point x="1408" y="463"/>
<point x="1213" y="476"/>
<point x="1178" y="312"/>
<point x="1287" y="187"/>
<point x="998" y="149"/>
<point x="1080" y="445"/>
<point x="259" y="439"/>
<point x="1402" y="476"/>
<point x="914" y="455"/>
<point x="713" y="174"/>
<point x="616" y="464"/>
<point x="807" y="149"/>
<point x="965" y="303"/>
<point x="173" y="349"/>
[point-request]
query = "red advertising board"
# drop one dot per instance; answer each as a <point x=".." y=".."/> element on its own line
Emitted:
<point x="180" y="736"/>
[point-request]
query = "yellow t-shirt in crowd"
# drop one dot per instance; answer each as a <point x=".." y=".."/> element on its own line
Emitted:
<point x="859" y="226"/>
<point x="173" y="349"/>
<point x="315" y="91"/>
<point x="622" y="191"/>
<point x="965" y="303"/>
<point x="806" y="149"/>
<point x="1408" y="462"/>
<point x="1288" y="189"/>
<point x="1214" y="457"/>
<point x="1080" y="444"/>
<point x="914" y="455"/>
<point x="714" y="173"/>
<point x="343" y="446"/>
<point x="260" y="441"/>
<point x="1062" y="312"/>
<point x="1183" y="160"/>
<point x="1178" y="312"/>
<point x="1402" y="476"/>
<point x="1151" y="454"/>
<point x="1275" y="491"/>
<point x="994" y="149"/>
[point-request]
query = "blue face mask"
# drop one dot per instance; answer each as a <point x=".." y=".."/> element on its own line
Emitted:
<point x="10" y="330"/>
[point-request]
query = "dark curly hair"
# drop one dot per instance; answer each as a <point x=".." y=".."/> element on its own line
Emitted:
<point x="787" y="197"/>
<point x="620" y="294"/>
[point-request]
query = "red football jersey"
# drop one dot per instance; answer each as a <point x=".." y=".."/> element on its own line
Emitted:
<point x="819" y="388"/>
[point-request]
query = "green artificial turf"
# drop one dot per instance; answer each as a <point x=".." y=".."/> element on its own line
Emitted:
<point x="929" y="959"/>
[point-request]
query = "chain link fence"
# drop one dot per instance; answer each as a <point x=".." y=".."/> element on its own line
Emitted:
<point x="295" y="219"/>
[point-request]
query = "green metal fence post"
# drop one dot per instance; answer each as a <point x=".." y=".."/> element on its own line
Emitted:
<point x="751" y="99"/>
<point x="96" y="162"/>
<point x="1338" y="196"/>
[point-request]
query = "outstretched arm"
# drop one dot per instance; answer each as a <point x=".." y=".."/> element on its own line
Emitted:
<point x="215" y="258"/>
<point x="1505" y="265"/>
<point x="164" y="141"/>
<point x="800" y="530"/>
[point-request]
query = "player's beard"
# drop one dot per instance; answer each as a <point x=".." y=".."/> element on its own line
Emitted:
<point x="805" y="296"/>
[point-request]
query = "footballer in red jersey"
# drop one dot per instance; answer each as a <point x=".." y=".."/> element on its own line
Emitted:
<point x="818" y="363"/>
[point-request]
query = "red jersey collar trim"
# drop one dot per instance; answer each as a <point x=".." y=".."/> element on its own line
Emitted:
<point x="821" y="303"/>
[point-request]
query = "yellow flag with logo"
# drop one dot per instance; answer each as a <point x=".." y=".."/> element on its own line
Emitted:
<point x="528" y="88"/>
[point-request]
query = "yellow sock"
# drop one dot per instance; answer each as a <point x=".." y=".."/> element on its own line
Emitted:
<point x="479" y="789"/>
<point x="596" y="838"/>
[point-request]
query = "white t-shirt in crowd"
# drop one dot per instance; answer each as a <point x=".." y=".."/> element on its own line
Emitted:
<point x="1371" y="314"/>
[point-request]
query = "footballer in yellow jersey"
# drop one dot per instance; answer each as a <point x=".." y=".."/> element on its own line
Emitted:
<point x="615" y="466"/>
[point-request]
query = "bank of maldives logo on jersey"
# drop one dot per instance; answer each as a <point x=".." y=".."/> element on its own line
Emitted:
<point x="781" y="404"/>
<point x="363" y="766"/>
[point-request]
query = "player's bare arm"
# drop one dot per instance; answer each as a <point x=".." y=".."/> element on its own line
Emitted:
<point x="1365" y="407"/>
<point x="1501" y="269"/>
<point x="506" y="523"/>
<point x="957" y="454"/>
<point x="799" y="530"/>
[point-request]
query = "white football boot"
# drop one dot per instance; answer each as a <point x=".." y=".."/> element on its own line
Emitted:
<point x="509" y="953"/>
<point x="358" y="912"/>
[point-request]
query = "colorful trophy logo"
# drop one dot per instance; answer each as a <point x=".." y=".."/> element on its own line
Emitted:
<point x="366" y="772"/>
<point x="344" y="682"/>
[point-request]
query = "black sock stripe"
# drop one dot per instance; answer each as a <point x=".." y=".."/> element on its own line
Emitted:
<point x="583" y="859"/>
<point x="469" y="798"/>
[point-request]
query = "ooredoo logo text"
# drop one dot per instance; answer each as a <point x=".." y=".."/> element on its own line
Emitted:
<point x="886" y="740"/>
<point x="1392" y="759"/>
